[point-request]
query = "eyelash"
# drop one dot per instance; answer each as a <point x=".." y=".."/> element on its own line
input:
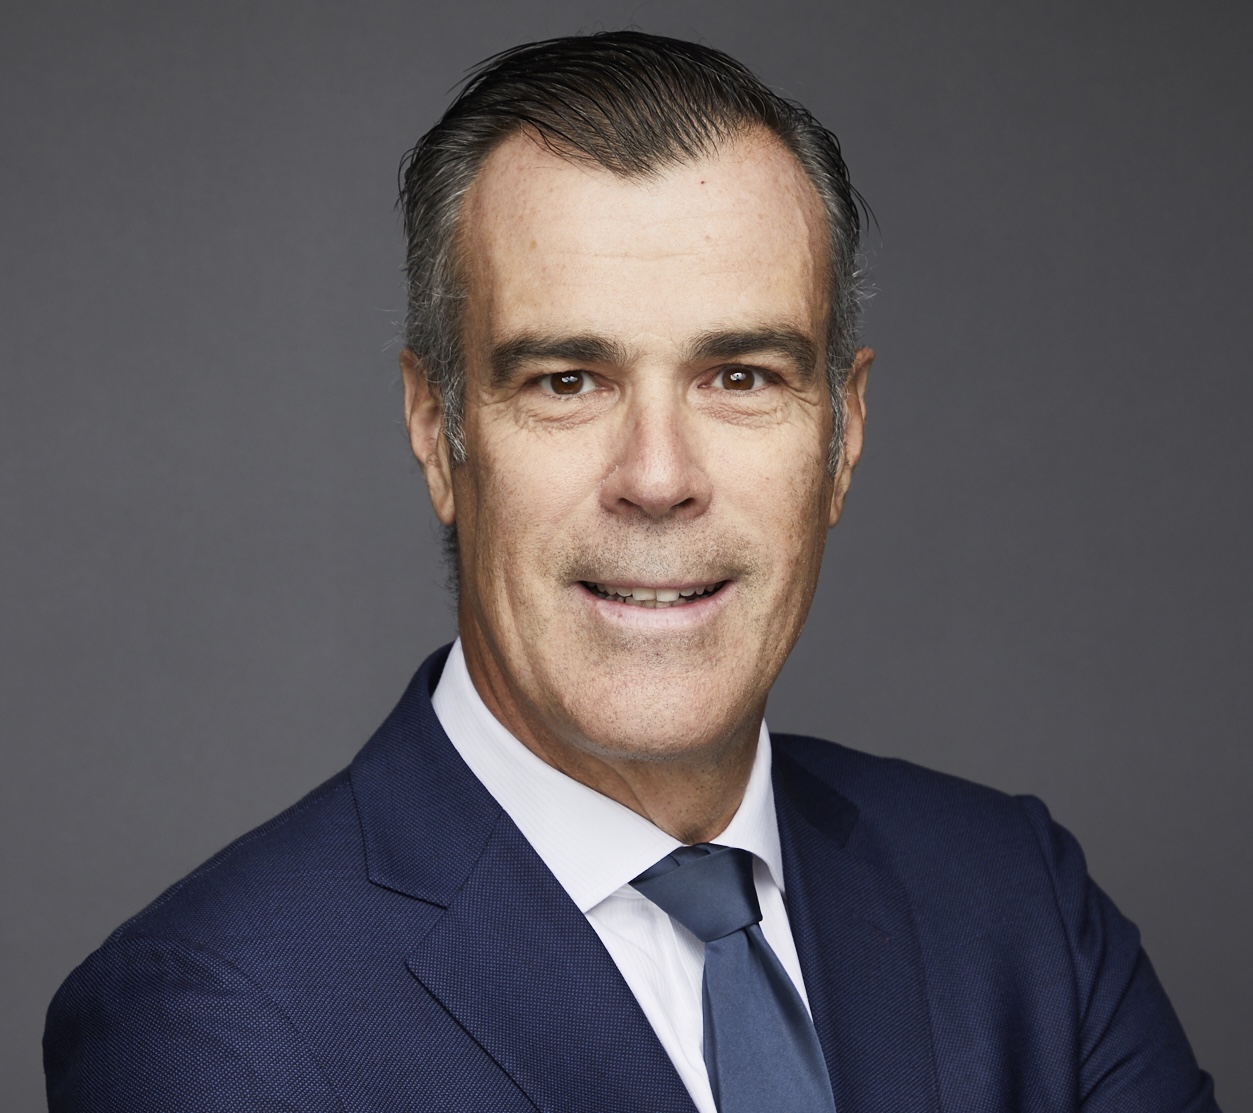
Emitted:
<point x="548" y="383"/>
<point x="759" y="379"/>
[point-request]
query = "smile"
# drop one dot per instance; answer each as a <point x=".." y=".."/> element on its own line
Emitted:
<point x="655" y="597"/>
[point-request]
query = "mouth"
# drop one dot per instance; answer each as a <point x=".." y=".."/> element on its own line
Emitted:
<point x="654" y="597"/>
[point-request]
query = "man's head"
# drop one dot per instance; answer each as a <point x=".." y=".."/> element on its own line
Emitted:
<point x="629" y="103"/>
<point x="631" y="425"/>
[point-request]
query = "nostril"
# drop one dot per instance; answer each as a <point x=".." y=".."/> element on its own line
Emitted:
<point x="657" y="470"/>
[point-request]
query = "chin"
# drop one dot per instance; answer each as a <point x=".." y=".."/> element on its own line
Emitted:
<point x="613" y="719"/>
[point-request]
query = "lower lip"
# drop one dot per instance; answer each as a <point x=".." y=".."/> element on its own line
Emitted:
<point x="675" y="617"/>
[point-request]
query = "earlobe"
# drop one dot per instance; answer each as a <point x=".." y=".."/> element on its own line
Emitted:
<point x="424" y="420"/>
<point x="854" y="429"/>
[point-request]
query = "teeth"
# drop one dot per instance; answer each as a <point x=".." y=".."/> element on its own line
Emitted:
<point x="654" y="596"/>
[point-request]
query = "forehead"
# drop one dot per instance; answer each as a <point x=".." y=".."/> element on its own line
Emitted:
<point x="556" y="245"/>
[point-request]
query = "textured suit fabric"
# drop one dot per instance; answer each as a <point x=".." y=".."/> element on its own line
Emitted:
<point x="393" y="943"/>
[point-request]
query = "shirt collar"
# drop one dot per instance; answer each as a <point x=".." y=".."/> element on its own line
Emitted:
<point x="593" y="845"/>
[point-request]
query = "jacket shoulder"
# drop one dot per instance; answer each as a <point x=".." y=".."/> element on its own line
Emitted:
<point x="950" y="841"/>
<point x="885" y="789"/>
<point x="270" y="869"/>
<point x="1005" y="912"/>
<point x="179" y="999"/>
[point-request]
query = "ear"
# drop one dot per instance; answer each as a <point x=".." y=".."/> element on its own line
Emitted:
<point x="424" y="418"/>
<point x="854" y="428"/>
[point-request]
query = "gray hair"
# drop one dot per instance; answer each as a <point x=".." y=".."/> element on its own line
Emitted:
<point x="632" y="104"/>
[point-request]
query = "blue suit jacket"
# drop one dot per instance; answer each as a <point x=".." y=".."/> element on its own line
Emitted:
<point x="392" y="942"/>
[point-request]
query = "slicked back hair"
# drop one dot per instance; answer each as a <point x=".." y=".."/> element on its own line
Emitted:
<point x="630" y="103"/>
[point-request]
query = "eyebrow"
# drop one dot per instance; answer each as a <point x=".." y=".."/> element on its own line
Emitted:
<point x="510" y="355"/>
<point x="794" y="345"/>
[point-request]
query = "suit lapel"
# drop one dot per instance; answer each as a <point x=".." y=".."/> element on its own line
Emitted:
<point x="511" y="958"/>
<point x="518" y="965"/>
<point x="859" y="952"/>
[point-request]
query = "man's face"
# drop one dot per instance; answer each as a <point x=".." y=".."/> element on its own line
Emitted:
<point x="643" y="508"/>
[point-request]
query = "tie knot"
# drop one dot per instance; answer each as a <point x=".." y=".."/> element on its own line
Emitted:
<point x="708" y="888"/>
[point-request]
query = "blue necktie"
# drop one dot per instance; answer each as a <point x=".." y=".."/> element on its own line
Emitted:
<point x="761" y="1050"/>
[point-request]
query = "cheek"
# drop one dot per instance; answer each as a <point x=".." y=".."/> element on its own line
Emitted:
<point x="780" y="471"/>
<point x="789" y="498"/>
<point x="525" y="492"/>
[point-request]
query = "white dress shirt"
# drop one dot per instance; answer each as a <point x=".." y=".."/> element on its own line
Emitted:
<point x="595" y="846"/>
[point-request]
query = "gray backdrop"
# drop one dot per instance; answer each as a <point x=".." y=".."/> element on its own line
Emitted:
<point x="218" y="563"/>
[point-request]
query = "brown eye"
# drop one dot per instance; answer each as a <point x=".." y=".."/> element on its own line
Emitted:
<point x="567" y="382"/>
<point x="738" y="378"/>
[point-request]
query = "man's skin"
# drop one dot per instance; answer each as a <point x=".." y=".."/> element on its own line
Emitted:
<point x="646" y="407"/>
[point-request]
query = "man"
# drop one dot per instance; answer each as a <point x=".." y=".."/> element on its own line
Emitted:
<point x="573" y="870"/>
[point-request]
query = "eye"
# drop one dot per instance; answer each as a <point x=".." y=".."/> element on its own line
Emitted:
<point x="739" y="378"/>
<point x="567" y="383"/>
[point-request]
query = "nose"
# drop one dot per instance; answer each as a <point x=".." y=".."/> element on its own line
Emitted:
<point x="658" y="463"/>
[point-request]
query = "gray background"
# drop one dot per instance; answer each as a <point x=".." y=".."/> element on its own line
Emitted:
<point x="217" y="560"/>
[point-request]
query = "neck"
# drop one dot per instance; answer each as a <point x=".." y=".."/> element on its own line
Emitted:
<point x="691" y="800"/>
<point x="691" y="792"/>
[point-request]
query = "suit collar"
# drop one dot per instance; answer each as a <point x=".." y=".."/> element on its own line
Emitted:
<point x="858" y="947"/>
<point x="424" y="818"/>
<point x="511" y="958"/>
<point x="517" y="964"/>
<point x="592" y="844"/>
<point x="524" y="973"/>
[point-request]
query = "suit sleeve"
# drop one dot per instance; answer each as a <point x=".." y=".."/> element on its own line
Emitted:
<point x="148" y="1025"/>
<point x="1133" y="1053"/>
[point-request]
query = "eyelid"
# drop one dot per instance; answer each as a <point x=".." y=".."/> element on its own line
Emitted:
<point x="764" y="377"/>
<point x="544" y="382"/>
